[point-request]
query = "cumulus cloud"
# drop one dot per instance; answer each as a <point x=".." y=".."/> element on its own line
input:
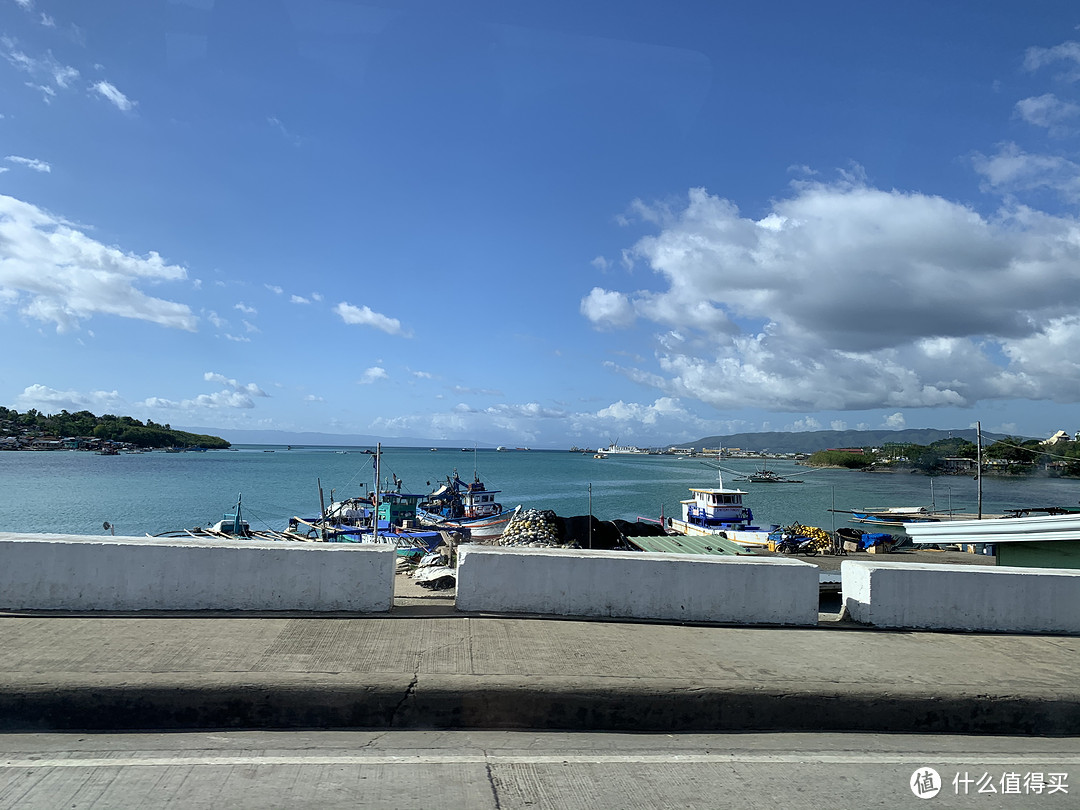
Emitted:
<point x="30" y="163"/>
<point x="110" y="93"/>
<point x="247" y="389"/>
<point x="1013" y="170"/>
<point x="665" y="420"/>
<point x="608" y="309"/>
<point x="245" y="308"/>
<point x="364" y="316"/>
<point x="299" y="299"/>
<point x="1066" y="54"/>
<point x="50" y="400"/>
<point x="849" y="297"/>
<point x="1048" y="111"/>
<point x="233" y="396"/>
<point x="57" y="274"/>
<point x="373" y="374"/>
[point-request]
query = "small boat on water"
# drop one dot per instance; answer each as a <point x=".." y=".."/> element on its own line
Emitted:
<point x="468" y="507"/>
<point x="232" y="526"/>
<point x="767" y="476"/>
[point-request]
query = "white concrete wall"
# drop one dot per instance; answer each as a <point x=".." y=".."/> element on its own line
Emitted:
<point x="644" y="585"/>
<point x="75" y="572"/>
<point x="962" y="597"/>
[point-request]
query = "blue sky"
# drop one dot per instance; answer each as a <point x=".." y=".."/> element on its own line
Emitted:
<point x="542" y="224"/>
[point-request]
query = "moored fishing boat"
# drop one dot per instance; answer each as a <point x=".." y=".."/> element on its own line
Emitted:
<point x="719" y="510"/>
<point x="466" y="507"/>
<point x="891" y="516"/>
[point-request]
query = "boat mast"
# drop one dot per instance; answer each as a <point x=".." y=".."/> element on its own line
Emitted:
<point x="238" y="521"/>
<point x="375" y="502"/>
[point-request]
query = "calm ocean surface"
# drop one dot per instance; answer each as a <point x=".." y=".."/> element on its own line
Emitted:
<point x="75" y="492"/>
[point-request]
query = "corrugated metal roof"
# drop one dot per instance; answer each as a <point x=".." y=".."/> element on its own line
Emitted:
<point x="1034" y="529"/>
<point x="680" y="544"/>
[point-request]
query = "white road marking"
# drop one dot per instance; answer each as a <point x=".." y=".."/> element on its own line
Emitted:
<point x="234" y="760"/>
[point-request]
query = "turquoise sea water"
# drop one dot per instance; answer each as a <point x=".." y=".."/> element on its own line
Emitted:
<point x="75" y="492"/>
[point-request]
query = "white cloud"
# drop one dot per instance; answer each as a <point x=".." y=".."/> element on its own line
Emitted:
<point x="276" y="290"/>
<point x="233" y="396"/>
<point x="894" y="421"/>
<point x="298" y="299"/>
<point x="246" y="309"/>
<point x="316" y="296"/>
<point x="57" y="274"/>
<point x="364" y="316"/>
<point x="313" y="398"/>
<point x="534" y="424"/>
<point x="856" y="298"/>
<point x="48" y="74"/>
<point x="1048" y="111"/>
<point x="50" y="401"/>
<point x="373" y="374"/>
<point x="30" y="163"/>
<point x="247" y="389"/>
<point x="109" y="92"/>
<point x="281" y="129"/>
<point x="607" y="309"/>
<point x="1067" y="53"/>
<point x="1014" y="171"/>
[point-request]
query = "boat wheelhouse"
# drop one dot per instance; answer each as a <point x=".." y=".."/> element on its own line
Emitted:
<point x="463" y="505"/>
<point x="717" y="508"/>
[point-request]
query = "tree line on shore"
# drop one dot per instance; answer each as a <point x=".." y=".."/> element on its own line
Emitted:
<point x="108" y="427"/>
<point x="1011" y="455"/>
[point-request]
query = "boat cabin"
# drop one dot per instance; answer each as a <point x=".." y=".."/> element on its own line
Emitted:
<point x="716" y="507"/>
<point x="397" y="507"/>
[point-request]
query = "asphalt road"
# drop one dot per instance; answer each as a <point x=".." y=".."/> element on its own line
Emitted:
<point x="509" y="770"/>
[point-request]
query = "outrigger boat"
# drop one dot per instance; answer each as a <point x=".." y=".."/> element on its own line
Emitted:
<point x="465" y="507"/>
<point x="767" y="476"/>
<point x="232" y="526"/>
<point x="892" y="516"/>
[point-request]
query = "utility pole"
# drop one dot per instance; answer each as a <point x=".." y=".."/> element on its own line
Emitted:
<point x="590" y="515"/>
<point x="978" y="456"/>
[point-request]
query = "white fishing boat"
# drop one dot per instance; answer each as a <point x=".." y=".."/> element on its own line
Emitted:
<point x="719" y="510"/>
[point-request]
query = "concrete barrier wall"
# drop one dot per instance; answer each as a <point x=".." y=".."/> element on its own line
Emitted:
<point x="643" y="585"/>
<point x="74" y="572"/>
<point x="962" y="597"/>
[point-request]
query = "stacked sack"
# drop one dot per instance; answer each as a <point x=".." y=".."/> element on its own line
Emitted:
<point x="531" y="527"/>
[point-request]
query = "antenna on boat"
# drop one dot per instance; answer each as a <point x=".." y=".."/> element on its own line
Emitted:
<point x="375" y="503"/>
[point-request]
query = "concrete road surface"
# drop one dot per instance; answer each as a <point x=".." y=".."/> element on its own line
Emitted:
<point x="510" y="770"/>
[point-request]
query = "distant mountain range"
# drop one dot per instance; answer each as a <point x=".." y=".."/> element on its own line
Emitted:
<point x="286" y="437"/>
<point x="776" y="442"/>
<point x="813" y="440"/>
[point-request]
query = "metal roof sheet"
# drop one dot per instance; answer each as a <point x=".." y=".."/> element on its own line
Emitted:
<point x="680" y="544"/>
